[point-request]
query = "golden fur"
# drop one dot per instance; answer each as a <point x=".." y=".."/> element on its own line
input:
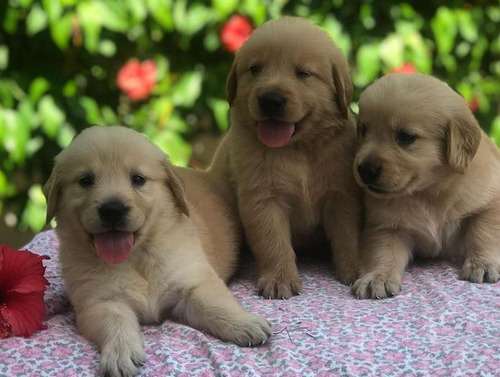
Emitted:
<point x="185" y="246"/>
<point x="291" y="196"/>
<point x="437" y="193"/>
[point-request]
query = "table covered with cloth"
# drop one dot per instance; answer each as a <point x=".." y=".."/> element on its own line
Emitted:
<point x="438" y="325"/>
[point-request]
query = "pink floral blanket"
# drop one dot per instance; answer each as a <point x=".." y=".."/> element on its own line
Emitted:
<point x="437" y="326"/>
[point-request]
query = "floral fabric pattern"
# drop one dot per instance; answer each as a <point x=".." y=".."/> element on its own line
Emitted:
<point x="437" y="326"/>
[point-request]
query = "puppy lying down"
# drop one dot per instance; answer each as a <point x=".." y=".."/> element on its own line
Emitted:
<point x="431" y="178"/>
<point x="141" y="240"/>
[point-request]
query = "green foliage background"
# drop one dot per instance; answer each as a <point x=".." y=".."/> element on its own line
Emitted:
<point x="59" y="60"/>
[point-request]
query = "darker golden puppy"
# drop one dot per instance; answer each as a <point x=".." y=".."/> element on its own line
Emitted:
<point x="141" y="241"/>
<point x="289" y="151"/>
<point x="432" y="183"/>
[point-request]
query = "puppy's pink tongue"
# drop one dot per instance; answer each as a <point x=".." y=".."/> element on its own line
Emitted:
<point x="114" y="246"/>
<point x="274" y="133"/>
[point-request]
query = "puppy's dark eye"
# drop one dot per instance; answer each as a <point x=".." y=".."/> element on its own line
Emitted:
<point x="255" y="69"/>
<point x="302" y="73"/>
<point x="86" y="180"/>
<point x="138" y="180"/>
<point x="361" y="130"/>
<point x="404" y="138"/>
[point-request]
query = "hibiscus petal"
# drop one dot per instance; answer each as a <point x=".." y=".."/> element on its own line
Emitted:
<point x="24" y="312"/>
<point x="21" y="271"/>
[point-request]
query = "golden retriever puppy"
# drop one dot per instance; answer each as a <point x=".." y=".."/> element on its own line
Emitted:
<point x="289" y="151"/>
<point x="432" y="183"/>
<point x="140" y="241"/>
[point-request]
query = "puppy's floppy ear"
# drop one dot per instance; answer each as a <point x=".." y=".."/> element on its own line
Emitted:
<point x="344" y="89"/>
<point x="51" y="190"/>
<point x="231" y="84"/>
<point x="176" y="186"/>
<point x="463" y="139"/>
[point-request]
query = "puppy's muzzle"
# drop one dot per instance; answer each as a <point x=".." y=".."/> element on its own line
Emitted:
<point x="113" y="214"/>
<point x="272" y="104"/>
<point x="369" y="172"/>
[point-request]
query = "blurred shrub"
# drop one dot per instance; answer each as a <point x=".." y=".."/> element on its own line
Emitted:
<point x="59" y="61"/>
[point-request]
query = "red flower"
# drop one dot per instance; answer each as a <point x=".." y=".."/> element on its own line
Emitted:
<point x="235" y="32"/>
<point x="137" y="79"/>
<point x="405" y="68"/>
<point x="473" y="104"/>
<point x="22" y="286"/>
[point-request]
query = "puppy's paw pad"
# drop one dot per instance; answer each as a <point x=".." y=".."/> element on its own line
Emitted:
<point x="249" y="331"/>
<point x="376" y="286"/>
<point x="279" y="289"/>
<point x="120" y="359"/>
<point x="477" y="272"/>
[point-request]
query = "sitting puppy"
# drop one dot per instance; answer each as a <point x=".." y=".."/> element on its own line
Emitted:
<point x="141" y="240"/>
<point x="432" y="183"/>
<point x="289" y="151"/>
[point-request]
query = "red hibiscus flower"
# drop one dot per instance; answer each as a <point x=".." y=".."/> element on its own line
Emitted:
<point x="405" y="68"/>
<point x="137" y="79"/>
<point x="235" y="32"/>
<point x="22" y="286"/>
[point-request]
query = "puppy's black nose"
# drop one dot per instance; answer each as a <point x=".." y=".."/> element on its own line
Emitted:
<point x="113" y="213"/>
<point x="272" y="104"/>
<point x="369" y="172"/>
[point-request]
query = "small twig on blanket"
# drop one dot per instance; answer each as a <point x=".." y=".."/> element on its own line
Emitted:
<point x="312" y="336"/>
<point x="279" y="332"/>
<point x="289" y="337"/>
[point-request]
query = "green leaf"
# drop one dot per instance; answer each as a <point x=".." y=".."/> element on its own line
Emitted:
<point x="466" y="25"/>
<point x="495" y="130"/>
<point x="3" y="184"/>
<point x="108" y="116"/>
<point x="334" y="28"/>
<point x="4" y="57"/>
<point x="51" y="116"/>
<point x="61" y="31"/>
<point x="368" y="64"/>
<point x="162" y="109"/>
<point x="138" y="10"/>
<point x="190" y="21"/>
<point x="225" y="7"/>
<point x="257" y="10"/>
<point x="16" y="136"/>
<point x="174" y="145"/>
<point x="53" y="9"/>
<point x="90" y="21"/>
<point x="392" y="51"/>
<point x="27" y="114"/>
<point x="37" y="88"/>
<point x="107" y="48"/>
<point x="220" y="109"/>
<point x="33" y="216"/>
<point x="65" y="135"/>
<point x="187" y="90"/>
<point x="11" y="20"/>
<point x="92" y="115"/>
<point x="160" y="10"/>
<point x="36" y="20"/>
<point x="444" y="27"/>
<point x="33" y="145"/>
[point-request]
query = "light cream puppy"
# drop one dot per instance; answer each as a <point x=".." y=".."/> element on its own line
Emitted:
<point x="432" y="183"/>
<point x="141" y="241"/>
<point x="289" y="150"/>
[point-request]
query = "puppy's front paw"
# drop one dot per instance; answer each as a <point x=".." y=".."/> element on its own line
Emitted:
<point x="478" y="272"/>
<point x="374" y="285"/>
<point x="248" y="331"/>
<point x="122" y="358"/>
<point x="277" y="286"/>
<point x="347" y="273"/>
